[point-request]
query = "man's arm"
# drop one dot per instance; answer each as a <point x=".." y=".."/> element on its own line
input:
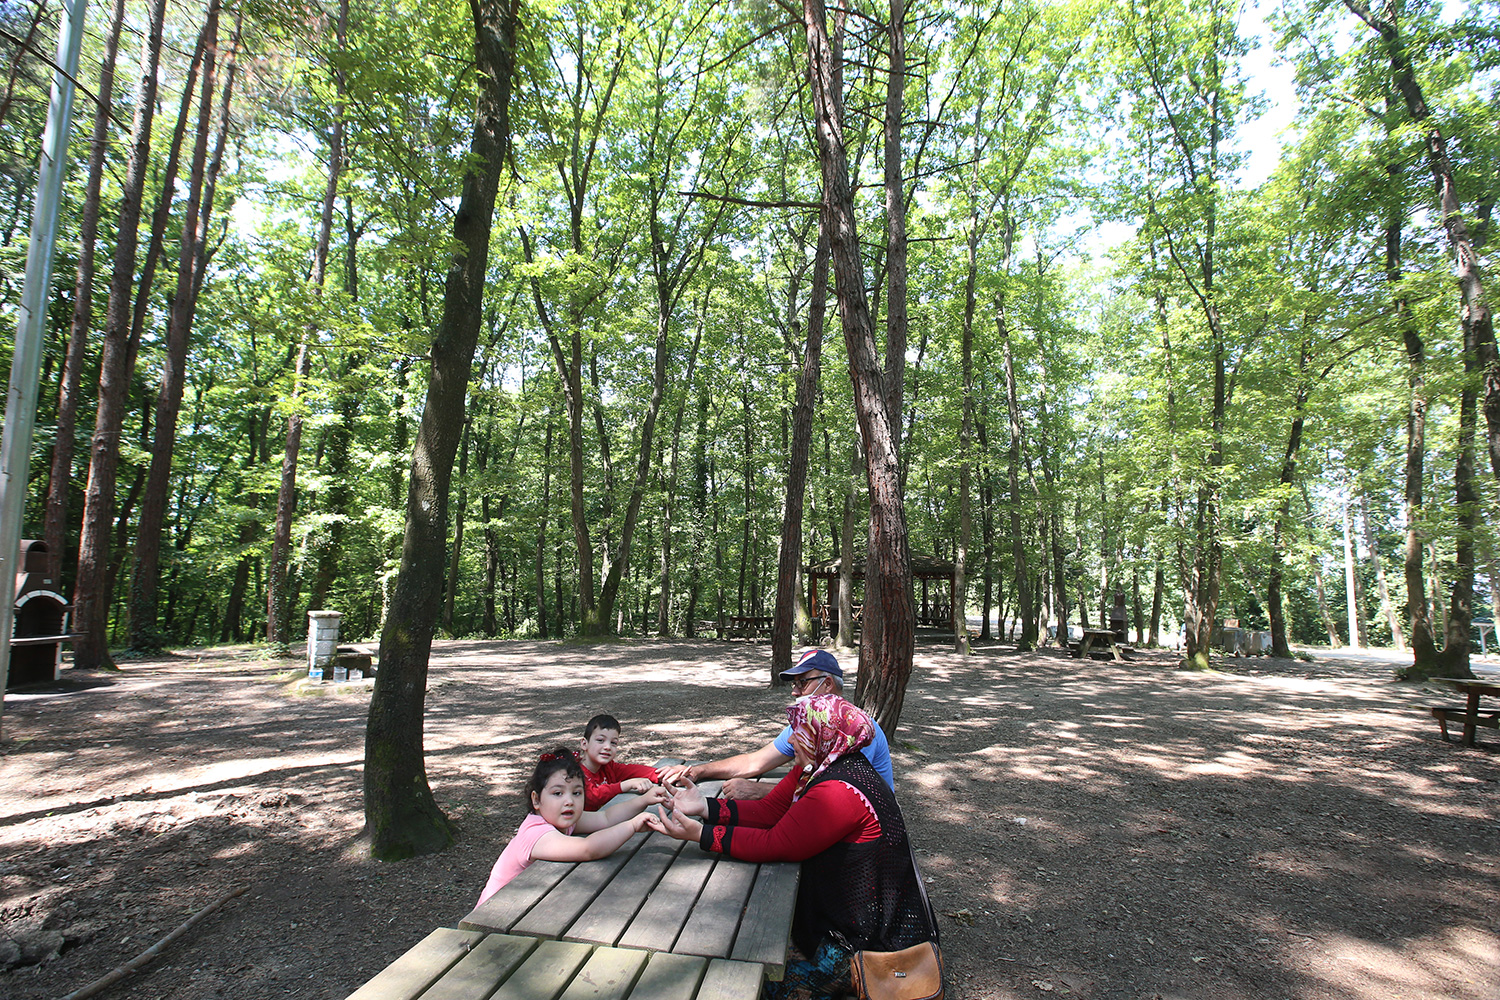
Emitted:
<point x="743" y="765"/>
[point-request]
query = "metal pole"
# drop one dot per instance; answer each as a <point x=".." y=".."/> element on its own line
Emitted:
<point x="26" y="363"/>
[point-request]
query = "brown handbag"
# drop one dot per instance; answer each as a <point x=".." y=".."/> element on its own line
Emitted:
<point x="914" y="973"/>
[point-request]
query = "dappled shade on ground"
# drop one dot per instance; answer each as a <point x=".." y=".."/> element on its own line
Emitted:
<point x="1275" y="829"/>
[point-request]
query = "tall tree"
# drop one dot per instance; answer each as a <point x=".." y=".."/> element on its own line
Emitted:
<point x="91" y="595"/>
<point x="888" y="639"/>
<point x="59" y="485"/>
<point x="401" y="816"/>
<point x="144" y="633"/>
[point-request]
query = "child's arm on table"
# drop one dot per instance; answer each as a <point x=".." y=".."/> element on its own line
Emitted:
<point x="555" y="845"/>
<point x="619" y="812"/>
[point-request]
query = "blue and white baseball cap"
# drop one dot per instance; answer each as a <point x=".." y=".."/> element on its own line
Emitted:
<point x="815" y="659"/>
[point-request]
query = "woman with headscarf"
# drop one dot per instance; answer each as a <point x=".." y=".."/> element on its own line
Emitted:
<point x="835" y="814"/>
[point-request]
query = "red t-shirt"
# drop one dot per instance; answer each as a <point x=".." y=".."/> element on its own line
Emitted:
<point x="604" y="784"/>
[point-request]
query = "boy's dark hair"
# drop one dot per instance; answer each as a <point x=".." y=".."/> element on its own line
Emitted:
<point x="554" y="760"/>
<point x="601" y="722"/>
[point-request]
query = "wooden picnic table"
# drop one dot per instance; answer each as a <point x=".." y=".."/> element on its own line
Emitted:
<point x="453" y="964"/>
<point x="654" y="894"/>
<point x="748" y="625"/>
<point x="1098" y="638"/>
<point x="657" y="918"/>
<point x="1470" y="715"/>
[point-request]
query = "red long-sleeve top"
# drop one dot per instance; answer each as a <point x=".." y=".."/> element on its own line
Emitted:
<point x="777" y="829"/>
<point x="604" y="784"/>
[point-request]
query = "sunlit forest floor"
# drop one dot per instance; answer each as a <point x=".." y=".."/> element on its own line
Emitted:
<point x="1273" y="829"/>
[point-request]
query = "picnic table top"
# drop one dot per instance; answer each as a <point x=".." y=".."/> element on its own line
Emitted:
<point x="453" y="964"/>
<point x="1479" y="685"/>
<point x="656" y="894"/>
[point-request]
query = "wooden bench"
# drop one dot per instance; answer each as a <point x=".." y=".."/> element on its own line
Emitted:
<point x="471" y="965"/>
<point x="1459" y="715"/>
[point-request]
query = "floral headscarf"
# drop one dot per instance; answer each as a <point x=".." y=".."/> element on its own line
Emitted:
<point x="830" y="727"/>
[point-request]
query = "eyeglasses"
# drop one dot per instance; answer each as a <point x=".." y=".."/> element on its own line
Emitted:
<point x="804" y="682"/>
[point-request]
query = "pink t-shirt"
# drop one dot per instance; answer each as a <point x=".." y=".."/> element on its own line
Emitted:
<point x="517" y="853"/>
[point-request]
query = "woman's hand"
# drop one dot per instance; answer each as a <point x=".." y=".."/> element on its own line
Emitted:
<point x="688" y="799"/>
<point x="676" y="825"/>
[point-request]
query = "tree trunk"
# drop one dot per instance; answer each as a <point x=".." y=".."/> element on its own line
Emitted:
<point x="846" y="552"/>
<point x="91" y="595"/>
<point x="144" y="633"/>
<point x="401" y="816"/>
<point x="1019" y="568"/>
<point x="1351" y="572"/>
<point x="541" y="532"/>
<point x="895" y="215"/>
<point x="1454" y="658"/>
<point x="1423" y="641"/>
<point x="1328" y="625"/>
<point x="450" y="587"/>
<point x="59" y="485"/>
<point x="1387" y="608"/>
<point x="986" y="526"/>
<point x="888" y="638"/>
<point x="790" y="558"/>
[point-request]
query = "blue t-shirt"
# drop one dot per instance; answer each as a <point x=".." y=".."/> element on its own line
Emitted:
<point x="878" y="750"/>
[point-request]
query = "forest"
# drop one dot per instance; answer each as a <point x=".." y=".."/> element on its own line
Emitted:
<point x="1109" y="362"/>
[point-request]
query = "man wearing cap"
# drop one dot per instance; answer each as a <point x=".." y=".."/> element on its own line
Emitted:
<point x="817" y="671"/>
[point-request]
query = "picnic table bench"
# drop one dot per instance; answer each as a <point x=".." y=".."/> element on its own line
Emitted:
<point x="657" y="918"/>
<point x="453" y="964"/>
<point x="1469" y="715"/>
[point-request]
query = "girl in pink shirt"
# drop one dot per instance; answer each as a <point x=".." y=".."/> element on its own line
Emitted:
<point x="555" y="792"/>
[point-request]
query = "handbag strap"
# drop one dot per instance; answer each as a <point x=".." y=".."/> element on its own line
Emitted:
<point x="922" y="890"/>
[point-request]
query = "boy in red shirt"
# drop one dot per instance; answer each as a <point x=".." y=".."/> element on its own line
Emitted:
<point x="603" y="779"/>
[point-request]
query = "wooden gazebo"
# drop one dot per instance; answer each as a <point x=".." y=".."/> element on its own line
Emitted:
<point x="925" y="570"/>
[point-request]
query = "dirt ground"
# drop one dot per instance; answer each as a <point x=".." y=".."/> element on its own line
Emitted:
<point x="1275" y="829"/>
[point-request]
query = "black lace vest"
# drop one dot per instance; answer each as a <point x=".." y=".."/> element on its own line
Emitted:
<point x="861" y="895"/>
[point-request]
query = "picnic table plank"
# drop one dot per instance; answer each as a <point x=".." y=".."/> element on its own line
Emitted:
<point x="609" y="974"/>
<point x="424" y="962"/>
<point x="612" y="910"/>
<point x="657" y="924"/>
<point x="766" y="926"/>
<point x="727" y="980"/>
<point x="711" y="927"/>
<point x="670" y="977"/>
<point x="477" y="974"/>
<point x="516" y="898"/>
<point x="546" y="972"/>
<point x="575" y="892"/>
